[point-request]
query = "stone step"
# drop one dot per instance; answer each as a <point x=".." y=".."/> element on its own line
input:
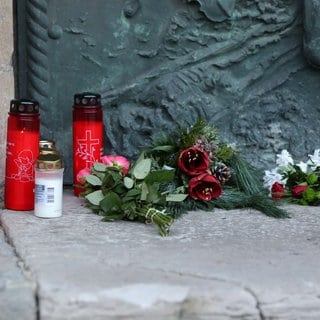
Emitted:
<point x="220" y="265"/>
<point x="17" y="290"/>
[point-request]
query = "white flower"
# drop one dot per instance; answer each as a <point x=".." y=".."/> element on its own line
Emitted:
<point x="303" y="166"/>
<point x="165" y="167"/>
<point x="270" y="177"/>
<point x="284" y="159"/>
<point x="314" y="160"/>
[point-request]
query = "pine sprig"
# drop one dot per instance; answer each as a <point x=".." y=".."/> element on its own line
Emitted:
<point x="190" y="135"/>
<point x="246" y="180"/>
<point x="244" y="176"/>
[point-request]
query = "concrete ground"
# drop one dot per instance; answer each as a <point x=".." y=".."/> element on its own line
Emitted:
<point x="235" y="264"/>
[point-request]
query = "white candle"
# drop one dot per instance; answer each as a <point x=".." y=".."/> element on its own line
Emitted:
<point x="48" y="193"/>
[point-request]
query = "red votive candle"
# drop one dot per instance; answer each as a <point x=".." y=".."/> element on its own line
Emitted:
<point x="87" y="133"/>
<point x="23" y="133"/>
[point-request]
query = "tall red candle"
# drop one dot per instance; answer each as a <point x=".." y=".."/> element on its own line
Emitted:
<point x="23" y="132"/>
<point x="87" y="133"/>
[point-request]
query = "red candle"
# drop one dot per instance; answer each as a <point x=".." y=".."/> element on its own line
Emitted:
<point x="23" y="131"/>
<point x="87" y="133"/>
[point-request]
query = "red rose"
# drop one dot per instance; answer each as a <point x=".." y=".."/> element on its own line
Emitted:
<point x="298" y="190"/>
<point x="277" y="191"/>
<point x="193" y="161"/>
<point x="205" y="187"/>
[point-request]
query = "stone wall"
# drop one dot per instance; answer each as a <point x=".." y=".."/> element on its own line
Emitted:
<point x="6" y="78"/>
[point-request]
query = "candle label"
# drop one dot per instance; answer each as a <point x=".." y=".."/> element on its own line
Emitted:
<point x="43" y="194"/>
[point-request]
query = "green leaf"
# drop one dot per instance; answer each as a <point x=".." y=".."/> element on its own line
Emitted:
<point x="312" y="178"/>
<point x="142" y="169"/>
<point x="153" y="195"/>
<point x="133" y="192"/>
<point x="108" y="180"/>
<point x="309" y="195"/>
<point x="167" y="148"/>
<point x="128" y="182"/>
<point x="111" y="203"/>
<point x="95" y="197"/>
<point x="98" y="166"/>
<point x="98" y="174"/>
<point x="176" y="197"/>
<point x="144" y="191"/>
<point x="160" y="176"/>
<point x="93" y="180"/>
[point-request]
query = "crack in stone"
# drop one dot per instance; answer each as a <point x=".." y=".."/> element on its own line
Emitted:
<point x="236" y="283"/>
<point x="258" y="304"/>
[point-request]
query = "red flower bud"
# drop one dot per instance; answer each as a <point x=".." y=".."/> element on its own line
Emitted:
<point x="298" y="190"/>
<point x="277" y="191"/>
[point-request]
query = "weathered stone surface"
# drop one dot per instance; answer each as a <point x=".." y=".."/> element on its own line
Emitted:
<point x="222" y="265"/>
<point x="17" y="293"/>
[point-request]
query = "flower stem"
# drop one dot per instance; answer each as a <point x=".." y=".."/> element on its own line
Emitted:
<point x="160" y="218"/>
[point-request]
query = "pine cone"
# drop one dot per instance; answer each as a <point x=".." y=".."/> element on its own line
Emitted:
<point x="222" y="172"/>
<point x="207" y="146"/>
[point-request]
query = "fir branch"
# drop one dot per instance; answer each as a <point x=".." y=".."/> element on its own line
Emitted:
<point x="234" y="199"/>
<point x="246" y="179"/>
<point x="267" y="206"/>
<point x="244" y="176"/>
<point x="189" y="136"/>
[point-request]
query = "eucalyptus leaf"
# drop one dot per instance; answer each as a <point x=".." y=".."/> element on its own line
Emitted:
<point x="95" y="197"/>
<point x="178" y="197"/>
<point x="108" y="180"/>
<point x="98" y="166"/>
<point x="93" y="180"/>
<point x="111" y="203"/>
<point x="153" y="195"/>
<point x="98" y="174"/>
<point x="128" y="182"/>
<point x="141" y="157"/>
<point x="142" y="169"/>
<point x="133" y="192"/>
<point x="131" y="196"/>
<point x="144" y="191"/>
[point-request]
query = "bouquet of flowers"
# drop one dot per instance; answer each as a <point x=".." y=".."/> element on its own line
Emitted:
<point x="298" y="182"/>
<point x="188" y="170"/>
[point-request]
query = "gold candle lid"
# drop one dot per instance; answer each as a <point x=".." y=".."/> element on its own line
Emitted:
<point x="48" y="151"/>
<point x="48" y="162"/>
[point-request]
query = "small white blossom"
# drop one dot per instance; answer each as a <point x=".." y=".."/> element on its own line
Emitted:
<point x="165" y="167"/>
<point x="303" y="166"/>
<point x="314" y="160"/>
<point x="284" y="159"/>
<point x="272" y="176"/>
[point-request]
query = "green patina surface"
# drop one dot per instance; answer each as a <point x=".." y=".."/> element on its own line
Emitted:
<point x="246" y="66"/>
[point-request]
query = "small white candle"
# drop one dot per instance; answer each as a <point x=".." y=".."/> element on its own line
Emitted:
<point x="48" y="193"/>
